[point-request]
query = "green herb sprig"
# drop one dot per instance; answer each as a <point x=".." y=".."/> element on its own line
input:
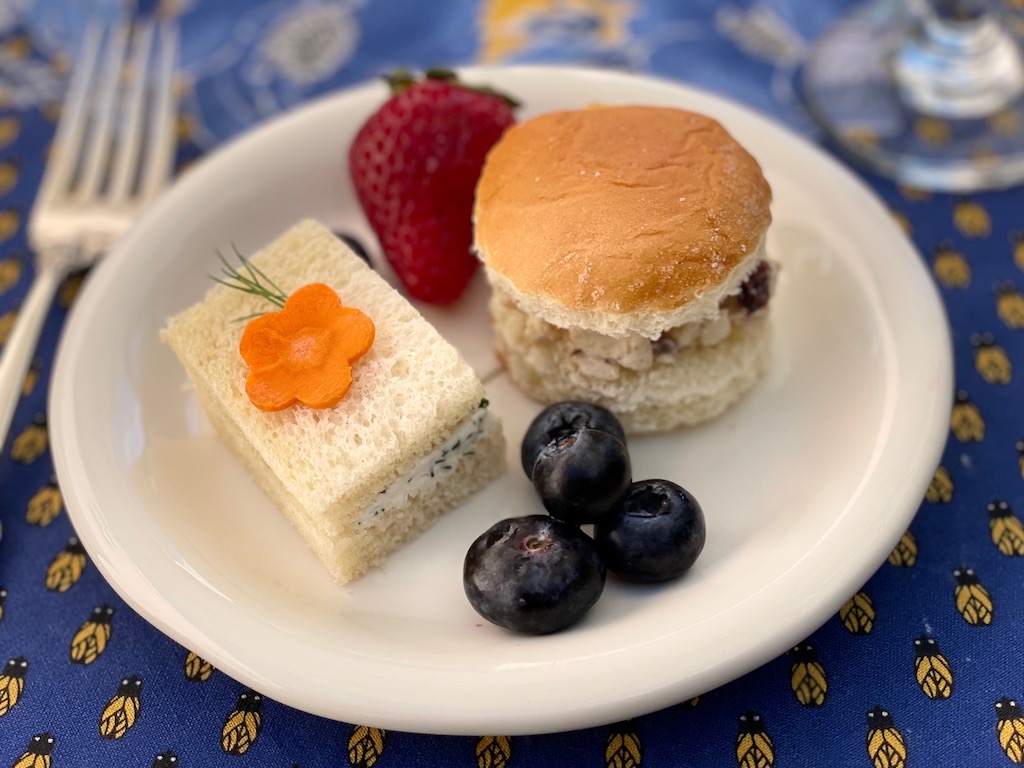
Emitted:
<point x="248" y="278"/>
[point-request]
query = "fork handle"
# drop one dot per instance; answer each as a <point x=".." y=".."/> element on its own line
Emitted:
<point x="21" y="344"/>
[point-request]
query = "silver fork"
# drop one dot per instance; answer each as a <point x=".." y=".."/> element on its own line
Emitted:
<point x="112" y="153"/>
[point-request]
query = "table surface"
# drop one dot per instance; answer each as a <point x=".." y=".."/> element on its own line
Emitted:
<point x="243" y="63"/>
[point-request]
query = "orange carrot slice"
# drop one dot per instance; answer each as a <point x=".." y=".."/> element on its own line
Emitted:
<point x="304" y="353"/>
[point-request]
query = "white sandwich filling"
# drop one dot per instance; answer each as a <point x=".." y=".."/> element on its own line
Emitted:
<point x="597" y="356"/>
<point x="431" y="470"/>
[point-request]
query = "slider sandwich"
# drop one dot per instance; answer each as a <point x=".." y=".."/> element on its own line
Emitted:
<point x="625" y="248"/>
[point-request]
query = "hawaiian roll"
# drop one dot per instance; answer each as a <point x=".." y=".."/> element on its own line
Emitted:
<point x="625" y="247"/>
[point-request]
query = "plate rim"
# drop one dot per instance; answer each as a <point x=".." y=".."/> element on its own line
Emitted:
<point x="587" y="713"/>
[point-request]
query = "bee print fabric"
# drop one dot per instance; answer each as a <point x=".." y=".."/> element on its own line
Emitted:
<point x="918" y="666"/>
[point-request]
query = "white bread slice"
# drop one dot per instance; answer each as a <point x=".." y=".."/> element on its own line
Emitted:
<point x="327" y="468"/>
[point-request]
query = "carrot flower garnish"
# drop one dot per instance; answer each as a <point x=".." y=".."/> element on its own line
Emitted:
<point x="304" y="353"/>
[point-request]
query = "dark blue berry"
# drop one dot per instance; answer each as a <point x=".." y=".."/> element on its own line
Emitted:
<point x="561" y="419"/>
<point x="582" y="476"/>
<point x="357" y="247"/>
<point x="657" y="535"/>
<point x="755" y="290"/>
<point x="533" y="574"/>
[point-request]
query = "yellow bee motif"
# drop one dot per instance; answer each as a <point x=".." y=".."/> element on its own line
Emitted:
<point x="10" y="273"/>
<point x="12" y="683"/>
<point x="186" y="128"/>
<point x="902" y="222"/>
<point x="1010" y="729"/>
<point x="30" y="378"/>
<point x="904" y="554"/>
<point x="10" y="220"/>
<point x="990" y="359"/>
<point x="19" y="47"/>
<point x="197" y="669"/>
<point x="70" y="287"/>
<point x="44" y="505"/>
<point x="8" y="177"/>
<point x="366" y="745"/>
<point x="950" y="266"/>
<point x="1019" y="445"/>
<point x="243" y="724"/>
<point x="1017" y="240"/>
<point x="165" y="760"/>
<point x="966" y="421"/>
<point x="122" y="710"/>
<point x="932" y="130"/>
<point x="1010" y="305"/>
<point x="493" y="752"/>
<point x="885" y="744"/>
<point x="914" y="194"/>
<point x="931" y="669"/>
<point x="623" y="750"/>
<point x="1006" y="528"/>
<point x="858" y="614"/>
<point x="31" y="443"/>
<point x="37" y="754"/>
<point x="866" y="138"/>
<point x="807" y="676"/>
<point x="971" y="219"/>
<point x="973" y="601"/>
<point x="92" y="637"/>
<point x="940" y="489"/>
<point x="6" y="325"/>
<point x="10" y="127"/>
<point x="66" y="568"/>
<point x="754" y="748"/>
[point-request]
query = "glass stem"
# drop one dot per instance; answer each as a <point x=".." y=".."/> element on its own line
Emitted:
<point x="957" y="60"/>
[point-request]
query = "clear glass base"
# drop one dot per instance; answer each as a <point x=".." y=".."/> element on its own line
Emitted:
<point x="933" y="103"/>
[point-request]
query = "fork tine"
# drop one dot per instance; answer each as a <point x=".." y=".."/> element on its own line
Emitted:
<point x="97" y="151"/>
<point x="61" y="164"/>
<point x="125" y="163"/>
<point x="163" y="131"/>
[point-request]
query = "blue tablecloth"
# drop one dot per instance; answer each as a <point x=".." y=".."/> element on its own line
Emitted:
<point x="243" y="62"/>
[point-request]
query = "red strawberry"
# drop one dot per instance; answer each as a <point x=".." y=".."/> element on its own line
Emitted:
<point x="415" y="165"/>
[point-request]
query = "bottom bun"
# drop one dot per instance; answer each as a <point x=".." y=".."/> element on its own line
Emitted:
<point x="690" y="386"/>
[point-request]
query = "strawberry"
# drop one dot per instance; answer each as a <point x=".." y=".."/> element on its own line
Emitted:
<point x="415" y="165"/>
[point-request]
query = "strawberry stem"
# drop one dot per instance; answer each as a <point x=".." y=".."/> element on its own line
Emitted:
<point x="401" y="79"/>
<point x="441" y="73"/>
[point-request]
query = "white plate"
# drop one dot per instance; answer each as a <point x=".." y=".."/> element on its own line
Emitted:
<point x="807" y="484"/>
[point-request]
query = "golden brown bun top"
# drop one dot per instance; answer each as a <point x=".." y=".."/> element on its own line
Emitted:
<point x="619" y="209"/>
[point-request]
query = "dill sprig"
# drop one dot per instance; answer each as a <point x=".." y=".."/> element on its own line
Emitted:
<point x="248" y="278"/>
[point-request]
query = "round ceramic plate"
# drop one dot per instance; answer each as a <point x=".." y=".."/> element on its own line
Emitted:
<point x="806" y="484"/>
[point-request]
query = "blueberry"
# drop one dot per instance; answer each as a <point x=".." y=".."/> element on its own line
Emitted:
<point x="582" y="476"/>
<point x="357" y="247"/>
<point x="657" y="535"/>
<point x="560" y="419"/>
<point x="533" y="574"/>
